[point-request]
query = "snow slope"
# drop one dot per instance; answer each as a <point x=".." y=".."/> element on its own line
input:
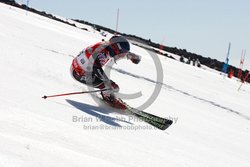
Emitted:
<point x="212" y="117"/>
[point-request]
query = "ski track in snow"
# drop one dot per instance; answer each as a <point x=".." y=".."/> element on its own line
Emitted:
<point x="181" y="91"/>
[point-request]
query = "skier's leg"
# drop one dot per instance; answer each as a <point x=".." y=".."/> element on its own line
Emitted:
<point x="76" y="76"/>
<point x="107" y="95"/>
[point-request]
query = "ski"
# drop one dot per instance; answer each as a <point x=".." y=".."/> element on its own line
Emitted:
<point x="156" y="121"/>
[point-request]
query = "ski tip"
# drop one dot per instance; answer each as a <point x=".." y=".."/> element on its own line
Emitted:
<point x="44" y="97"/>
<point x="167" y="124"/>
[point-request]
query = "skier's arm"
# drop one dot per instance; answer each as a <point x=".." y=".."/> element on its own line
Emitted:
<point x="134" y="58"/>
<point x="99" y="73"/>
<point x="97" y="68"/>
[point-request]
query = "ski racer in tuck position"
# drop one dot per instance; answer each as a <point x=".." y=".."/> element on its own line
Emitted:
<point x="87" y="66"/>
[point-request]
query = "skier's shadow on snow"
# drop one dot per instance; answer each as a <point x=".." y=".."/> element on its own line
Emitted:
<point x="95" y="111"/>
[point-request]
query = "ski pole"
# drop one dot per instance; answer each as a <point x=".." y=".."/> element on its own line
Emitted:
<point x="73" y="93"/>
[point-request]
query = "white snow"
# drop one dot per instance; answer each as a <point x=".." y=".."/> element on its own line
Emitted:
<point x="212" y="117"/>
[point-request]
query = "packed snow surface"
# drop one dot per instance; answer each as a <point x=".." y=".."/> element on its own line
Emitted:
<point x="211" y="118"/>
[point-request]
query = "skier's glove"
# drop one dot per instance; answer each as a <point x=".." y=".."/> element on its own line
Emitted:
<point x="134" y="58"/>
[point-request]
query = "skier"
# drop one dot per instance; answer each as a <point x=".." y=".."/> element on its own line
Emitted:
<point x="87" y="66"/>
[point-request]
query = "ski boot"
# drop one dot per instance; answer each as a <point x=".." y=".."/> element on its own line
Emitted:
<point x="113" y="101"/>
